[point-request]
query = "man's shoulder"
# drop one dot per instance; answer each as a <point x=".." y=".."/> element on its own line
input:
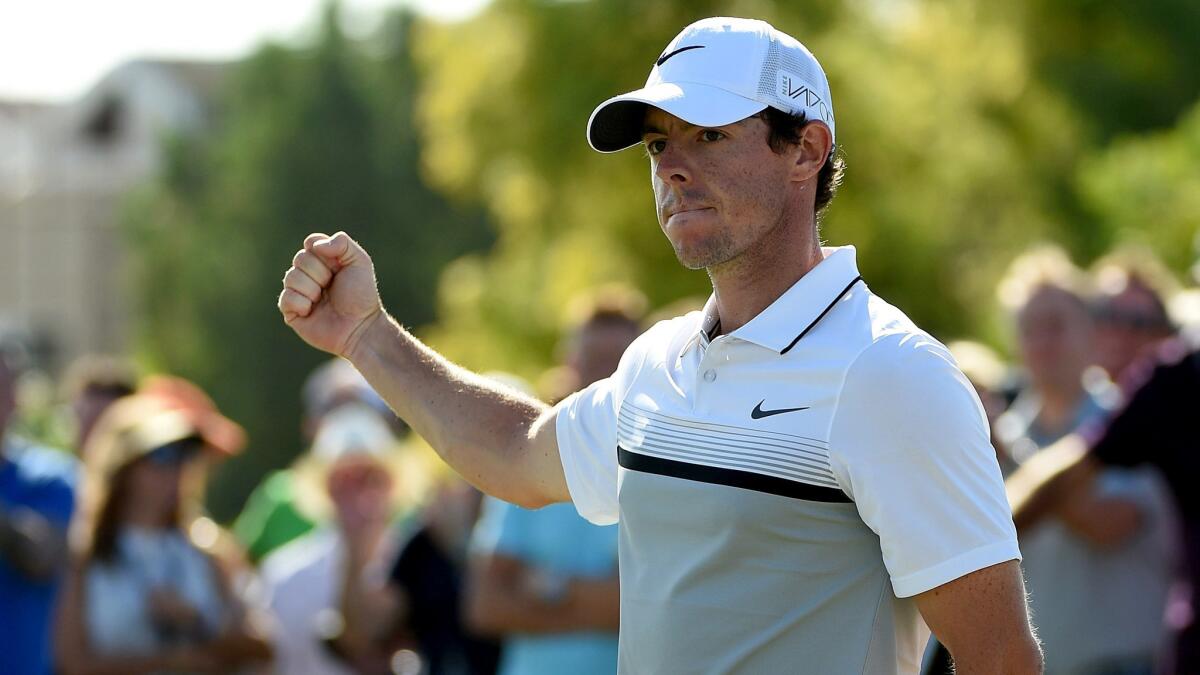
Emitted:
<point x="663" y="339"/>
<point x="902" y="358"/>
<point x="668" y="331"/>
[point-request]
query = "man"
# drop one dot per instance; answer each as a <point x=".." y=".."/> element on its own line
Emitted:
<point x="37" y="497"/>
<point x="271" y="517"/>
<point x="351" y="459"/>
<point x="775" y="460"/>
<point x="1130" y="311"/>
<point x="546" y="581"/>
<point x="93" y="383"/>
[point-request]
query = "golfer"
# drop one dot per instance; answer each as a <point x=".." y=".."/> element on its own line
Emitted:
<point x="802" y="477"/>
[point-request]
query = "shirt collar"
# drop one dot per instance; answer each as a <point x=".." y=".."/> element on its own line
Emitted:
<point x="782" y="324"/>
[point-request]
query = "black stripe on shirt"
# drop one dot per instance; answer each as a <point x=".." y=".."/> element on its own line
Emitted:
<point x="634" y="461"/>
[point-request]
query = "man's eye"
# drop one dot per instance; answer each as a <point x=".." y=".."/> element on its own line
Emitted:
<point x="656" y="146"/>
<point x="711" y="135"/>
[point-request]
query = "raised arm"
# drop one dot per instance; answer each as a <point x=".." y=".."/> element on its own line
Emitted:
<point x="500" y="440"/>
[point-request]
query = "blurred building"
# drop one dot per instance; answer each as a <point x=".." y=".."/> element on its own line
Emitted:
<point x="64" y="170"/>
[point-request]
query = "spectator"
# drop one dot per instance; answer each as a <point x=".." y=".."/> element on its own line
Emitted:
<point x="37" y="498"/>
<point x="143" y="598"/>
<point x="271" y="518"/>
<point x="545" y="582"/>
<point x="1130" y="309"/>
<point x="426" y="583"/>
<point x="1097" y="574"/>
<point x="92" y="384"/>
<point x="415" y="612"/>
<point x="1048" y="299"/>
<point x="354" y="454"/>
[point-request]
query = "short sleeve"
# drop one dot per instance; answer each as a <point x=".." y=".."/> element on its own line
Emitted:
<point x="909" y="443"/>
<point x="587" y="445"/>
<point x="586" y="428"/>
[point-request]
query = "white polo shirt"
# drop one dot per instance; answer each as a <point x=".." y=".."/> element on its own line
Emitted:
<point x="784" y="489"/>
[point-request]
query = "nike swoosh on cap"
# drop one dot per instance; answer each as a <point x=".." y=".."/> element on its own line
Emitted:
<point x="758" y="413"/>
<point x="663" y="59"/>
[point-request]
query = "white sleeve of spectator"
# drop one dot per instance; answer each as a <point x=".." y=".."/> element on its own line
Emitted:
<point x="586" y="429"/>
<point x="910" y="444"/>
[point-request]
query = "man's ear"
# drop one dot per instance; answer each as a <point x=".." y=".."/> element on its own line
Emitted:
<point x="816" y="144"/>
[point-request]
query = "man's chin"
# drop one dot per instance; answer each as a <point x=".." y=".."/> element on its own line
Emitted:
<point x="697" y="259"/>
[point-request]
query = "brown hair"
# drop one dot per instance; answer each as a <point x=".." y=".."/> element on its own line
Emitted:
<point x="784" y="129"/>
<point x="103" y="375"/>
<point x="611" y="304"/>
<point x="101" y="533"/>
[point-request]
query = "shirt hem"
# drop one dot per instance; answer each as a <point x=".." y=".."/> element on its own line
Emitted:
<point x="949" y="570"/>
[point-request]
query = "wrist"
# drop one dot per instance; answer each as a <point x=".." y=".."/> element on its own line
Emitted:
<point x="359" y="343"/>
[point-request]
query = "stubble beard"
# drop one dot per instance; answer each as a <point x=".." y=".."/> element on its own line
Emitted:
<point x="714" y="251"/>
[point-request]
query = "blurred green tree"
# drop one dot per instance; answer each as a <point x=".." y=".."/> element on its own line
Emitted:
<point x="957" y="155"/>
<point x="310" y="140"/>
<point x="1148" y="189"/>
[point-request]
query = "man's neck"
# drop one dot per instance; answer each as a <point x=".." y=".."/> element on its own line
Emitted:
<point x="747" y="285"/>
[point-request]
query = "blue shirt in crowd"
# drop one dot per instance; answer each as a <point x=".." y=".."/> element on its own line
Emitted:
<point x="43" y="481"/>
<point x="557" y="540"/>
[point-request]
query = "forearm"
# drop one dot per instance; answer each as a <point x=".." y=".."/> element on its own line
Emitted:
<point x="589" y="605"/>
<point x="481" y="429"/>
<point x="1104" y="522"/>
<point x="182" y="659"/>
<point x="1037" y="489"/>
<point x="368" y="611"/>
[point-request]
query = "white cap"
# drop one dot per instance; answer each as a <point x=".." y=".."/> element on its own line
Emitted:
<point x="352" y="429"/>
<point x="718" y="71"/>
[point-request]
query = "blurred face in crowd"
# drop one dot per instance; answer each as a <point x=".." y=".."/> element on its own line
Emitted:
<point x="1127" y="324"/>
<point x="1055" y="336"/>
<point x="155" y="482"/>
<point x="87" y="408"/>
<point x="718" y="191"/>
<point x="598" y="347"/>
<point x="361" y="490"/>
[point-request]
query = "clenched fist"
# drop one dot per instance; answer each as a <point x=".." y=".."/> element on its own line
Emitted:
<point x="329" y="294"/>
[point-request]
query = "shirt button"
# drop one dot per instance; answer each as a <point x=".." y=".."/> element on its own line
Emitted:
<point x="710" y="375"/>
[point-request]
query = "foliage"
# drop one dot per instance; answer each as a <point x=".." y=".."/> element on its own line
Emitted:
<point x="963" y="124"/>
<point x="972" y="130"/>
<point x="311" y="140"/>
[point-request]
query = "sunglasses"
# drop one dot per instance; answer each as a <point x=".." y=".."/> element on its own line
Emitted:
<point x="175" y="453"/>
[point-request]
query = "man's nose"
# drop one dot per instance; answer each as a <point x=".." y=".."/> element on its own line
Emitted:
<point x="672" y="167"/>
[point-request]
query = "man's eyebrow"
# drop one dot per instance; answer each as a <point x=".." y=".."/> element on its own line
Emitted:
<point x="651" y="129"/>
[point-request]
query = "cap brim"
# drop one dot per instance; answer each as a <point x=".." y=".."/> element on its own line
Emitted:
<point x="617" y="123"/>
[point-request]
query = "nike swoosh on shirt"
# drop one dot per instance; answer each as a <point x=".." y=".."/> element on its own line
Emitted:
<point x="663" y="59"/>
<point x="758" y="413"/>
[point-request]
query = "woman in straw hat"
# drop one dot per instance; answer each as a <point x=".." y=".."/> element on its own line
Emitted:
<point x="144" y="597"/>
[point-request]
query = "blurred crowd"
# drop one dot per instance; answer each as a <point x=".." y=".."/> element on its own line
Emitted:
<point x="366" y="555"/>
